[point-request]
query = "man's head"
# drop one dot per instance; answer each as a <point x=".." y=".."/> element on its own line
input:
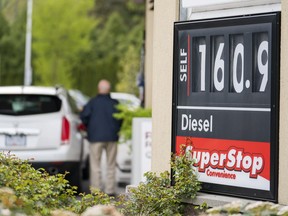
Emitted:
<point x="104" y="87"/>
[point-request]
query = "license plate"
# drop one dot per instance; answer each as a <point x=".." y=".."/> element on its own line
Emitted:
<point x="15" y="140"/>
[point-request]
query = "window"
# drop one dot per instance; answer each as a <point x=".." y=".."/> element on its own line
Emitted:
<point x="28" y="104"/>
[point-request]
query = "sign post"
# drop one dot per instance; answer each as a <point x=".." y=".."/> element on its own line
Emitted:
<point x="225" y="102"/>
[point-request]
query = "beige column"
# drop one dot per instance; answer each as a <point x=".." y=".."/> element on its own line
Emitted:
<point x="148" y="54"/>
<point x="166" y="13"/>
<point x="283" y="126"/>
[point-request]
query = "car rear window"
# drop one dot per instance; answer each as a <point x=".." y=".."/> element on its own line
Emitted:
<point x="29" y="104"/>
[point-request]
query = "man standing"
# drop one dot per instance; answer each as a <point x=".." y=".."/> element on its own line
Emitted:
<point x="102" y="131"/>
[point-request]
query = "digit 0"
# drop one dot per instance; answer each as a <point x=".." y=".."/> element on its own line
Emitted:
<point x="238" y="85"/>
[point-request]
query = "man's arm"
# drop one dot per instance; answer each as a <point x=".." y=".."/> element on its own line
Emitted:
<point x="85" y="114"/>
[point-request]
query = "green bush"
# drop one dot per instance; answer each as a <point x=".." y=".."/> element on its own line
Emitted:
<point x="34" y="192"/>
<point x="157" y="196"/>
<point x="31" y="191"/>
<point x="126" y="114"/>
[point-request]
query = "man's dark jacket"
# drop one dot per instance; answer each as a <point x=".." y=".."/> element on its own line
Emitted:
<point x="97" y="116"/>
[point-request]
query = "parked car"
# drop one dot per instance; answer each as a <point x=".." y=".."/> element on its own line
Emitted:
<point x="40" y="124"/>
<point x="128" y="99"/>
<point x="123" y="172"/>
<point x="79" y="98"/>
<point x="123" y="98"/>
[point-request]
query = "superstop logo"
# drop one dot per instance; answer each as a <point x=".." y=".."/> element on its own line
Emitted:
<point x="229" y="162"/>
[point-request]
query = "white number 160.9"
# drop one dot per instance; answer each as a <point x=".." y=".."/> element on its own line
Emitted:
<point x="237" y="80"/>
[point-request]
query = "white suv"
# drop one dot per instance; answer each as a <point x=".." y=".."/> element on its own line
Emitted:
<point x="40" y="123"/>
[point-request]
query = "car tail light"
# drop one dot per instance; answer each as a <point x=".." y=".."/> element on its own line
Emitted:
<point x="65" y="134"/>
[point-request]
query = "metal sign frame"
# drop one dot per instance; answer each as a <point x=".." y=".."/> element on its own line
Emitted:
<point x="225" y="107"/>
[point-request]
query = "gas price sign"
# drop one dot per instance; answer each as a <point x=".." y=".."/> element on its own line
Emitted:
<point x="225" y="102"/>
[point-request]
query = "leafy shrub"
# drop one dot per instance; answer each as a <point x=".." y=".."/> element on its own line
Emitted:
<point x="126" y="114"/>
<point x="35" y="191"/>
<point x="157" y="196"/>
<point x="26" y="191"/>
<point x="85" y="201"/>
<point x="34" y="188"/>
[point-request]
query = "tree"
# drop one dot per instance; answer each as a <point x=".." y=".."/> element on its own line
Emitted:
<point x="130" y="63"/>
<point x="75" y="43"/>
<point x="12" y="50"/>
<point x="61" y="31"/>
<point x="116" y="45"/>
<point x="101" y="61"/>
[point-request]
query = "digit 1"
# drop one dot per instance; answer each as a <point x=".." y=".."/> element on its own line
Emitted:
<point x="219" y="66"/>
<point x="202" y="50"/>
<point x="238" y="86"/>
<point x="263" y="68"/>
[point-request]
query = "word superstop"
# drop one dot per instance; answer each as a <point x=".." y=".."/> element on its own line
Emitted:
<point x="225" y="102"/>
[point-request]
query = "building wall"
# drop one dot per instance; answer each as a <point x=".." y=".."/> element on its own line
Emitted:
<point x="165" y="13"/>
<point x="283" y="138"/>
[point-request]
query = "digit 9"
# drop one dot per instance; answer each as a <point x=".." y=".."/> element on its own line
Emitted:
<point x="260" y="62"/>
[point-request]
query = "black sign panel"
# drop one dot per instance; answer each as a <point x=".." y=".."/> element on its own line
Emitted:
<point x="225" y="102"/>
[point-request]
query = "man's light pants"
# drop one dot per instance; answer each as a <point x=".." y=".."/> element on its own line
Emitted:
<point x="96" y="150"/>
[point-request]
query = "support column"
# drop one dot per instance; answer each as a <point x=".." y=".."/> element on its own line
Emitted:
<point x="283" y="124"/>
<point x="166" y="13"/>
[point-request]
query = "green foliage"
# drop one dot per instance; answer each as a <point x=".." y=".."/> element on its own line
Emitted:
<point x="11" y="9"/>
<point x="104" y="55"/>
<point x="127" y="76"/>
<point x="35" y="191"/>
<point x="12" y="50"/>
<point x="130" y="61"/>
<point x="126" y="114"/>
<point x="4" y="26"/>
<point x="61" y="31"/>
<point x="130" y="10"/>
<point x="157" y="196"/>
<point x="115" y="50"/>
<point x="74" y="43"/>
<point x="96" y="197"/>
<point x="186" y="180"/>
<point x="154" y="197"/>
<point x="34" y="187"/>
